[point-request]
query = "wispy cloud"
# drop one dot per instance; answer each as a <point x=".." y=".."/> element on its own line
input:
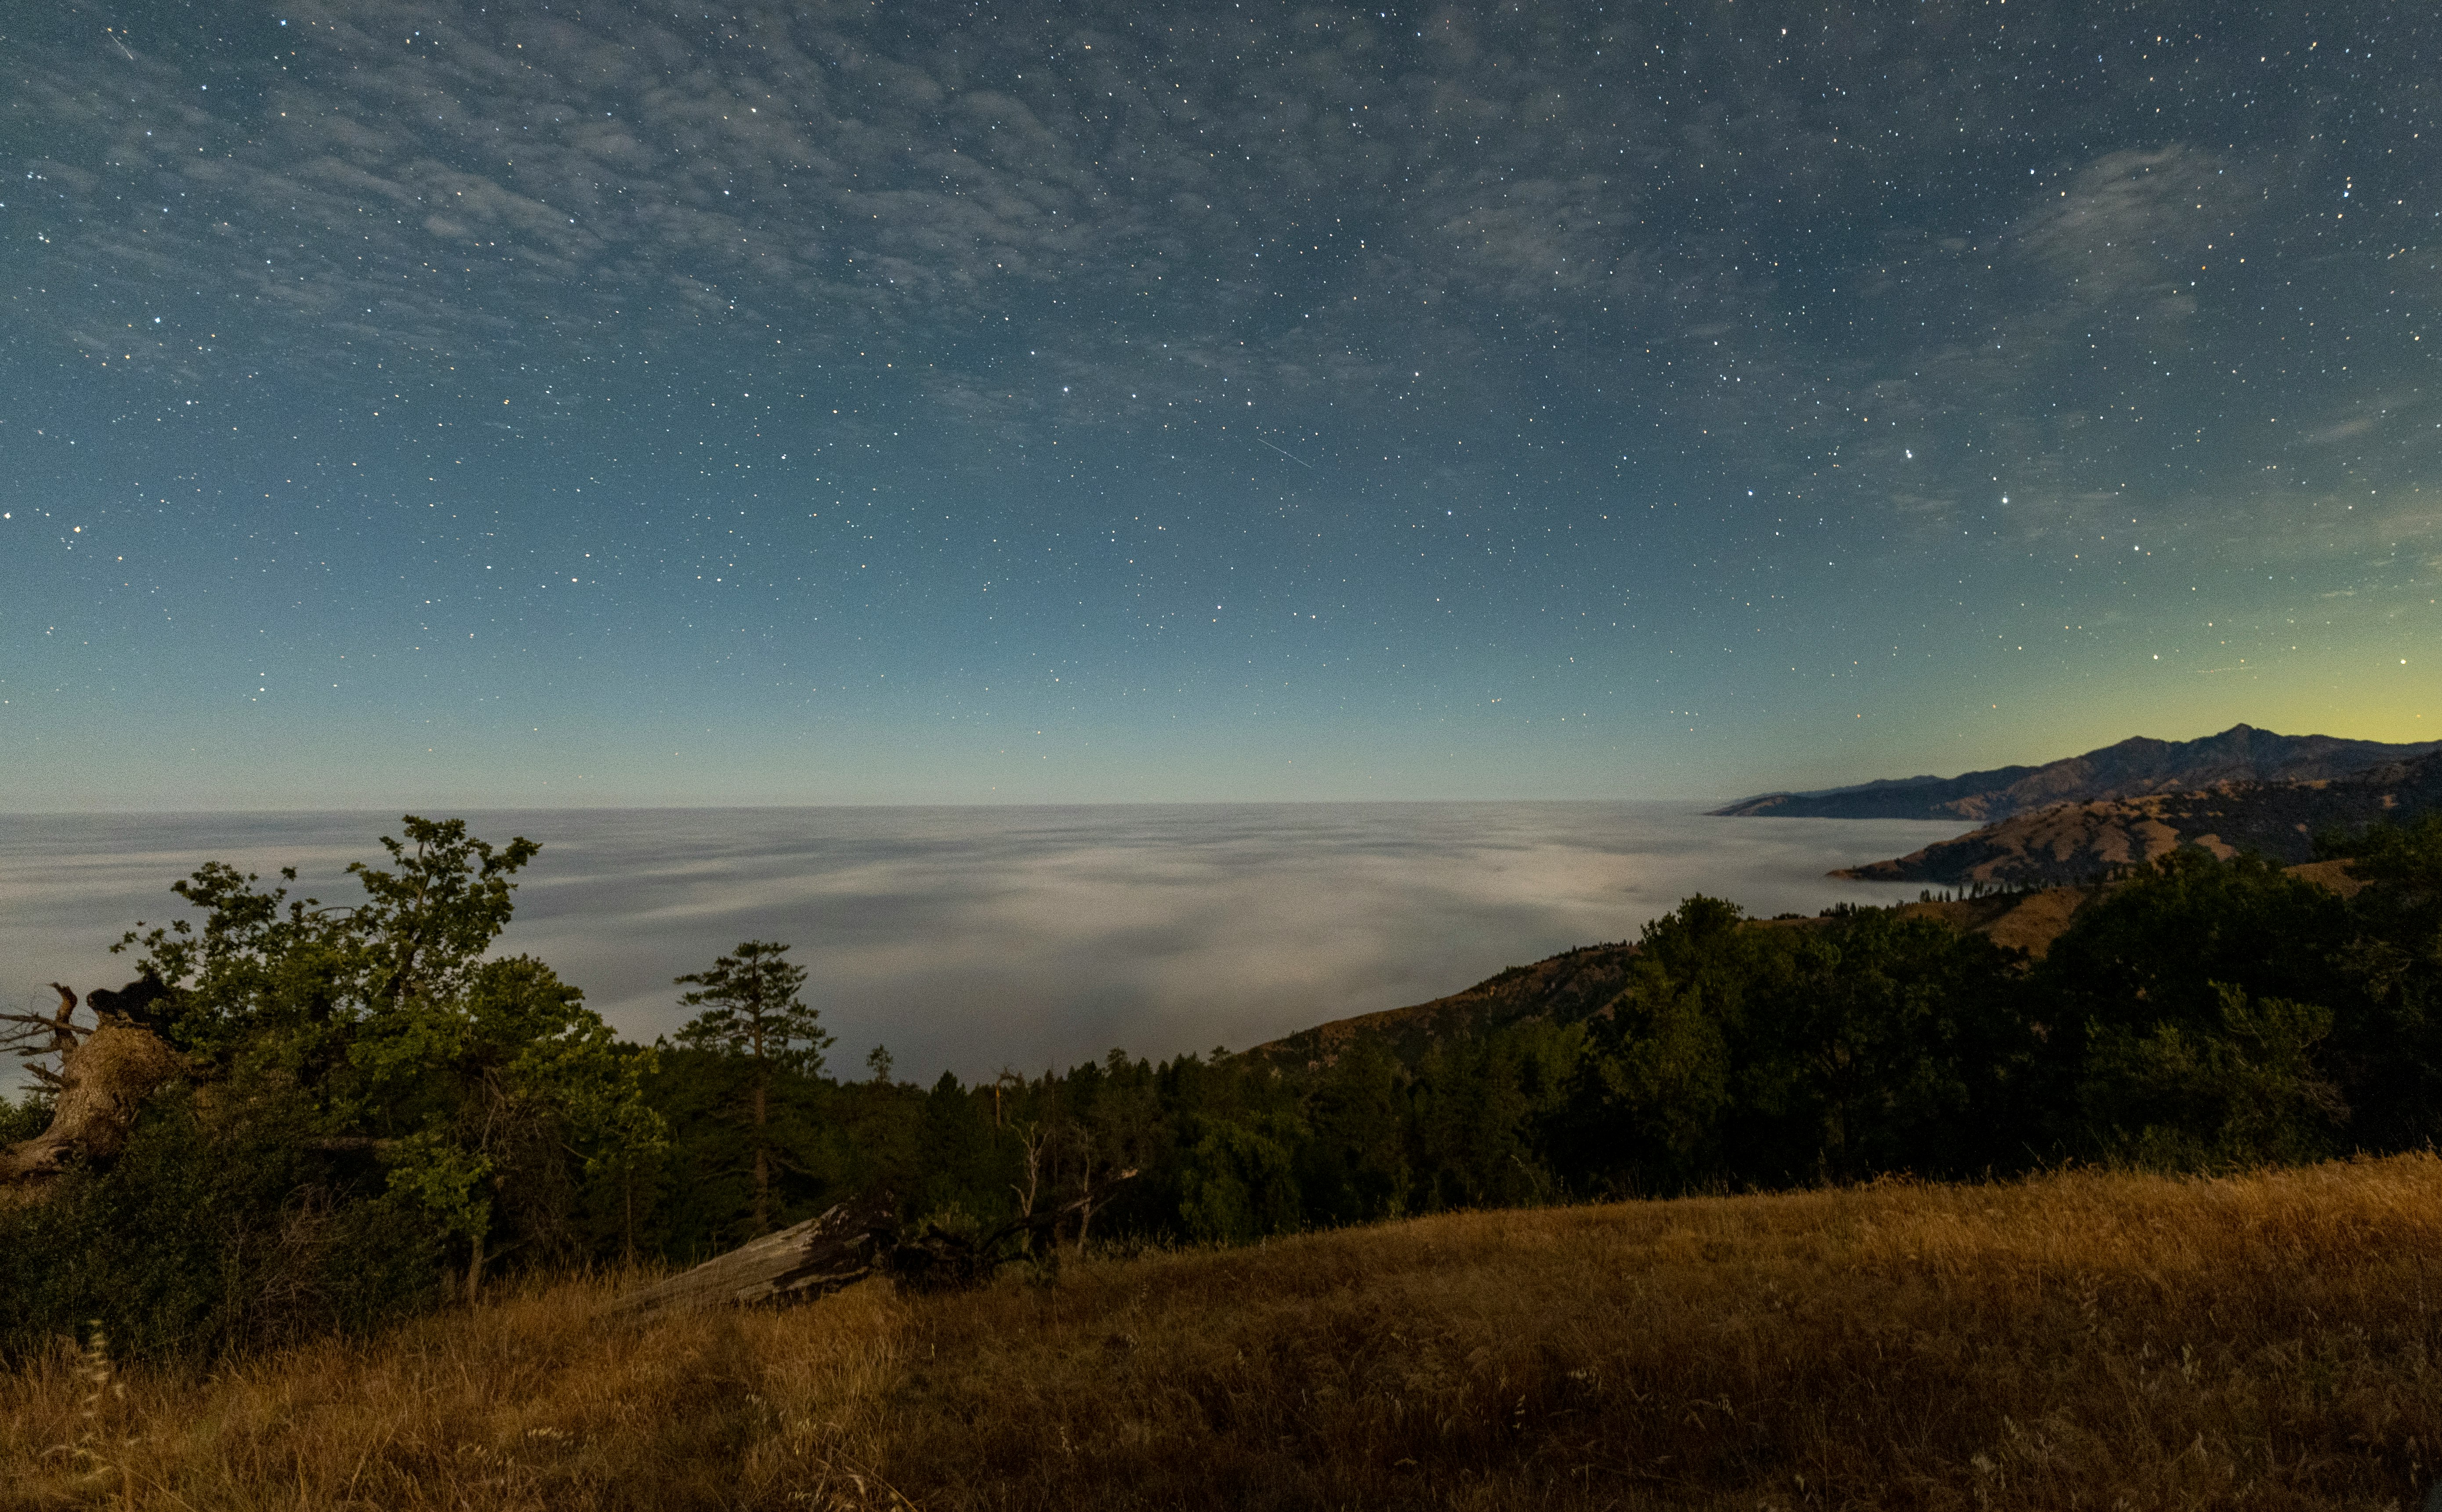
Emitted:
<point x="1864" y="266"/>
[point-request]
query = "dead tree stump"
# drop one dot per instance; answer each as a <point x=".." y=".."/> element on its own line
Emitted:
<point x="104" y="1076"/>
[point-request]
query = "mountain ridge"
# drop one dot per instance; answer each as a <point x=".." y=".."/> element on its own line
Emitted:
<point x="2127" y="769"/>
<point x="2078" y="842"/>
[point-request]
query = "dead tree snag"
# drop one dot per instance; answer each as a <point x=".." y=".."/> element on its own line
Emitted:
<point x="104" y="1074"/>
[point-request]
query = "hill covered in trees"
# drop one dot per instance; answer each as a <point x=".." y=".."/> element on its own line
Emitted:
<point x="356" y="1112"/>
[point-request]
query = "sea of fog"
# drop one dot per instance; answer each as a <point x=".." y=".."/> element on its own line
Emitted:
<point x="975" y="939"/>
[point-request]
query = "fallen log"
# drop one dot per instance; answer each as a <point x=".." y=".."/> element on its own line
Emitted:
<point x="820" y="1255"/>
<point x="841" y="1246"/>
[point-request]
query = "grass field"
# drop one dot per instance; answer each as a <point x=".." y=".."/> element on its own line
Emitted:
<point x="2090" y="1340"/>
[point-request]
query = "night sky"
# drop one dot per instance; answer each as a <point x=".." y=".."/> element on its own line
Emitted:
<point x="423" y="405"/>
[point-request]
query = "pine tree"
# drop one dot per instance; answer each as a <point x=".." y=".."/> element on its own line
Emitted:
<point x="751" y="1010"/>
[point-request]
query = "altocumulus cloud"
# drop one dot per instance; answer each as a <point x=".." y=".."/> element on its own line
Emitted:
<point x="1867" y="242"/>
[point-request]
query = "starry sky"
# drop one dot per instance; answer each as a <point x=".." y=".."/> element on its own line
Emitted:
<point x="434" y="404"/>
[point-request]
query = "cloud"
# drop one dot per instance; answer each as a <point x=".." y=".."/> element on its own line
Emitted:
<point x="1236" y="190"/>
<point x="2129" y="225"/>
<point x="1695" y="232"/>
<point x="974" y="938"/>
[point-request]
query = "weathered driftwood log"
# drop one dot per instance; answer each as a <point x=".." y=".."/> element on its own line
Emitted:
<point x="819" y="1255"/>
<point x="843" y="1245"/>
<point x="104" y="1076"/>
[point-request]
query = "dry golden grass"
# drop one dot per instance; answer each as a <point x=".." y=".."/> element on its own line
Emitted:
<point x="2085" y="1340"/>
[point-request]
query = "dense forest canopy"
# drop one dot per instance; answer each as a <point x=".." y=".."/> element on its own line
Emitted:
<point x="361" y="1112"/>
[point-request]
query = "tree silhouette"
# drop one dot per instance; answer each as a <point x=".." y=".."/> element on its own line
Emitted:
<point x="751" y="1010"/>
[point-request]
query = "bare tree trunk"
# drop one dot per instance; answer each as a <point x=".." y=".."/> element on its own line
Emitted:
<point x="1085" y="1190"/>
<point x="1032" y="1139"/>
<point x="762" y="1156"/>
<point x="474" y="1270"/>
<point x="627" y="1212"/>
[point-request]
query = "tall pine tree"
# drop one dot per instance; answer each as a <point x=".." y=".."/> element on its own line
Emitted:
<point x="751" y="1010"/>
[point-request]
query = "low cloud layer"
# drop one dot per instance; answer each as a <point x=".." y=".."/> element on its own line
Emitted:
<point x="974" y="939"/>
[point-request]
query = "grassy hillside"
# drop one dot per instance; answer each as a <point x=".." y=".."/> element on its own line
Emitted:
<point x="2078" y="842"/>
<point x="2093" y="1339"/>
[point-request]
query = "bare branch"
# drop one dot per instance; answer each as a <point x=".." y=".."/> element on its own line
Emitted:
<point x="40" y="1024"/>
<point x="45" y="1034"/>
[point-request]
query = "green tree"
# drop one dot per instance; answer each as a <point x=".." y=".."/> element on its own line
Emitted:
<point x="1355" y="1168"/>
<point x="1767" y="1053"/>
<point x="287" y="982"/>
<point x="1647" y="1103"/>
<point x="1238" y="1180"/>
<point x="491" y="1091"/>
<point x="2386" y="1045"/>
<point x="2159" y="945"/>
<point x="2246" y="1092"/>
<point x="751" y="1011"/>
<point x="2192" y="1003"/>
<point x="1879" y="1042"/>
<point x="367" y="1068"/>
<point x="1474" y="1114"/>
<point x="473" y="1079"/>
<point x="964" y="1167"/>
